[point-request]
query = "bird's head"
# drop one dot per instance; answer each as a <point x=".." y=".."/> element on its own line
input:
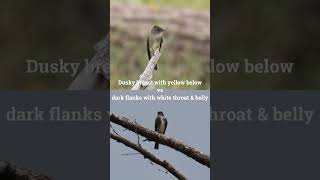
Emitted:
<point x="157" y="30"/>
<point x="160" y="113"/>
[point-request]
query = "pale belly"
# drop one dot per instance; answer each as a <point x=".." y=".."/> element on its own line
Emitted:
<point x="161" y="128"/>
<point x="156" y="43"/>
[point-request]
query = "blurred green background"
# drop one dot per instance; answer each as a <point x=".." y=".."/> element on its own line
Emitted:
<point x="47" y="31"/>
<point x="185" y="52"/>
<point x="194" y="4"/>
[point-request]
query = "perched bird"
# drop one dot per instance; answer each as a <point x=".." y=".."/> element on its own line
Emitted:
<point x="154" y="41"/>
<point x="160" y="126"/>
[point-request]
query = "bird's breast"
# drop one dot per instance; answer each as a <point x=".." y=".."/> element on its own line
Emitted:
<point x="161" y="128"/>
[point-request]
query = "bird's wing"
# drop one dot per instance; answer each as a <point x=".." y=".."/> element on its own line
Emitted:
<point x="161" y="43"/>
<point x="165" y="124"/>
<point x="157" y="124"/>
<point x="148" y="49"/>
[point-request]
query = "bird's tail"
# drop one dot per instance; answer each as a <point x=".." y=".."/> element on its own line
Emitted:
<point x="156" y="146"/>
<point x="156" y="67"/>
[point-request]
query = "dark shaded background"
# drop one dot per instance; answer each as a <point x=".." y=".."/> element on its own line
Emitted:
<point x="268" y="149"/>
<point x="61" y="150"/>
<point x="281" y="31"/>
<point x="47" y="31"/>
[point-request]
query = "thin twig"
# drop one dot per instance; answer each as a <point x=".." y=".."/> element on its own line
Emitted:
<point x="114" y="130"/>
<point x="129" y="154"/>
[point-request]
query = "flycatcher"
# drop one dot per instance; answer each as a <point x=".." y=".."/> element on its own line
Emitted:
<point x="160" y="126"/>
<point x="154" y="41"/>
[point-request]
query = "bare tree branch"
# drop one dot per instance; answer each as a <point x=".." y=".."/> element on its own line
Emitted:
<point x="10" y="171"/>
<point x="162" y="139"/>
<point x="149" y="155"/>
<point x="96" y="73"/>
<point x="146" y="77"/>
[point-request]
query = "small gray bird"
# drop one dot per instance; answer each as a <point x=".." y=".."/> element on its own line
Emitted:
<point x="154" y="41"/>
<point x="160" y="126"/>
